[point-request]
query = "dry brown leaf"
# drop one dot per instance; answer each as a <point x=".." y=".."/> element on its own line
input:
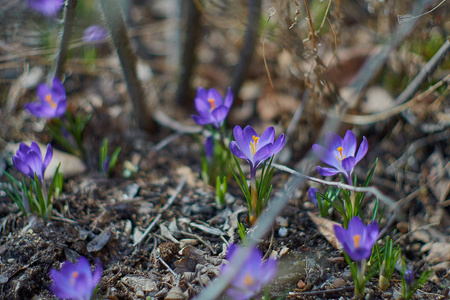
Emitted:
<point x="438" y="252"/>
<point x="325" y="227"/>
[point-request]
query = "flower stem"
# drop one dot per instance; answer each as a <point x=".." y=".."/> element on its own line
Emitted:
<point x="254" y="194"/>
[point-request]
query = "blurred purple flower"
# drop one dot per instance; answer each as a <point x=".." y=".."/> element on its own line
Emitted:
<point x="75" y="282"/>
<point x="28" y="160"/>
<point x="53" y="101"/>
<point x="340" y="154"/>
<point x="409" y="276"/>
<point x="253" y="148"/>
<point x="48" y="8"/>
<point x="209" y="148"/>
<point x="358" y="240"/>
<point x="211" y="107"/>
<point x="95" y="34"/>
<point x="312" y="195"/>
<point x="252" y="276"/>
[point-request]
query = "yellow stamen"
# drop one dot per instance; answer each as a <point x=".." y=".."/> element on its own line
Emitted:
<point x="248" y="280"/>
<point x="340" y="149"/>
<point x="211" y="102"/>
<point x="356" y="239"/>
<point x="254" y="145"/>
<point x="50" y="101"/>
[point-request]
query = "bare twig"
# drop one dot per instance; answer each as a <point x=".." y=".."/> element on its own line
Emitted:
<point x="116" y="24"/>
<point x="402" y="202"/>
<point x="68" y="21"/>
<point x="251" y="34"/>
<point x="373" y="118"/>
<point x="371" y="190"/>
<point x="272" y="12"/>
<point x="164" y="208"/>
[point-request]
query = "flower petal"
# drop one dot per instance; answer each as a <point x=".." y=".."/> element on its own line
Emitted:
<point x="348" y="164"/>
<point x="219" y="114"/>
<point x="58" y="88"/>
<point x="201" y="120"/>
<point x="202" y="106"/>
<point x="326" y="171"/>
<point x="216" y="96"/>
<point x="362" y="151"/>
<point x="326" y="156"/>
<point x="228" y="98"/>
<point x="234" y="148"/>
<point x="47" y="158"/>
<point x="332" y="141"/>
<point x="349" y="144"/>
<point x="262" y="154"/>
<point x="279" y="144"/>
<point x="266" y="137"/>
<point x="35" y="164"/>
<point x="42" y="91"/>
<point x="242" y="142"/>
<point x="21" y="166"/>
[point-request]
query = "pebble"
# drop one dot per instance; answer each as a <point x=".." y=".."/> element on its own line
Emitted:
<point x="301" y="284"/>
<point x="403" y="227"/>
<point x="338" y="283"/>
<point x="282" y="232"/>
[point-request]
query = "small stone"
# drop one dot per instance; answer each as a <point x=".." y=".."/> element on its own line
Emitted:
<point x="10" y="260"/>
<point x="282" y="232"/>
<point x="338" y="283"/>
<point x="403" y="227"/>
<point x="301" y="284"/>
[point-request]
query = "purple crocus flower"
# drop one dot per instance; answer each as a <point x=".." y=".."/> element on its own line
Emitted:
<point x="211" y="107"/>
<point x="48" y="8"/>
<point x="252" y="276"/>
<point x="409" y="276"/>
<point x="28" y="160"/>
<point x="340" y="154"/>
<point x="312" y="195"/>
<point x="209" y="148"/>
<point x="53" y="101"/>
<point x="75" y="282"/>
<point x="358" y="240"/>
<point x="253" y="148"/>
<point x="95" y="34"/>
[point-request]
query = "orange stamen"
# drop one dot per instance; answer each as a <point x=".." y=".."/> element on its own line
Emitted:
<point x="356" y="239"/>
<point x="254" y="145"/>
<point x="50" y="101"/>
<point x="211" y="102"/>
<point x="75" y="274"/>
<point x="340" y="149"/>
<point x="248" y="280"/>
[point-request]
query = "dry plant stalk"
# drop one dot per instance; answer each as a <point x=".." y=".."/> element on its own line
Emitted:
<point x="116" y="24"/>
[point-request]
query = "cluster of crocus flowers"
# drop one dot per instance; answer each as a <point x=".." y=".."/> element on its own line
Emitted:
<point x="48" y="8"/>
<point x="95" y="34"/>
<point x="53" y="101"/>
<point x="253" y="275"/>
<point x="340" y="154"/>
<point x="28" y="160"/>
<point x="212" y="108"/>
<point x="75" y="281"/>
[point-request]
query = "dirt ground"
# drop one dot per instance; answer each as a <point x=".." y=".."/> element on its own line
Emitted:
<point x="156" y="185"/>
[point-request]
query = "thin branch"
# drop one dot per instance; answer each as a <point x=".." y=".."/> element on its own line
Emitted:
<point x="116" y="24"/>
<point x="371" y="190"/>
<point x="248" y="49"/>
<point x="70" y="8"/>
<point x="163" y="209"/>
